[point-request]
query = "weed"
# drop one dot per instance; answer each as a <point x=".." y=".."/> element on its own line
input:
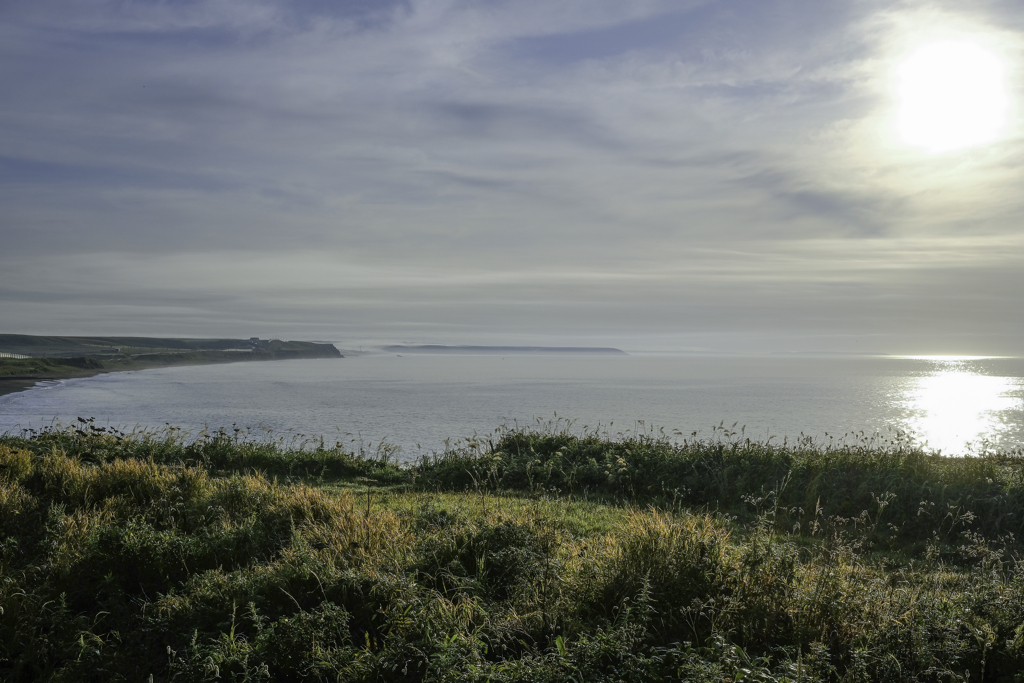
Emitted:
<point x="542" y="555"/>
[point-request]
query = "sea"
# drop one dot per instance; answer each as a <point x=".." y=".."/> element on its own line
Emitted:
<point x="417" y="405"/>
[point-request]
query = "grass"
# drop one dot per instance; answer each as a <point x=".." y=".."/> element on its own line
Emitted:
<point x="25" y="367"/>
<point x="541" y="555"/>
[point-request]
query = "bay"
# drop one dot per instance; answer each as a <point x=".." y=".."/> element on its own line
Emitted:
<point x="417" y="402"/>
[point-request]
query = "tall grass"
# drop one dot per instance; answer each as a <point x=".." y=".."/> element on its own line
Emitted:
<point x="218" y="451"/>
<point x="543" y="556"/>
<point x="900" y="491"/>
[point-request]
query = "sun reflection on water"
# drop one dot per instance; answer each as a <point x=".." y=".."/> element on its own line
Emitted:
<point x="955" y="409"/>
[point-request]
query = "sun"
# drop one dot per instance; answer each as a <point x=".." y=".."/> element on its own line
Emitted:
<point x="952" y="95"/>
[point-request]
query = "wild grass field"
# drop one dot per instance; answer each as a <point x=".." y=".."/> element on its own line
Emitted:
<point x="536" y="555"/>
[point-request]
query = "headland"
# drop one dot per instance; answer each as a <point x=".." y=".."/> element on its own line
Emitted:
<point x="502" y="350"/>
<point x="26" y="360"/>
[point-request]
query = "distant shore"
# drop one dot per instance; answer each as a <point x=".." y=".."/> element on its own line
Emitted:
<point x="502" y="350"/>
<point x="41" y="359"/>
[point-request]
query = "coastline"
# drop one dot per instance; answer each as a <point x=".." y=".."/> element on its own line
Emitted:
<point x="14" y="385"/>
<point x="21" y="374"/>
<point x="18" y="383"/>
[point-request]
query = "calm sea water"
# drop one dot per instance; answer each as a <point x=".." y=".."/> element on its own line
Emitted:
<point x="419" y="401"/>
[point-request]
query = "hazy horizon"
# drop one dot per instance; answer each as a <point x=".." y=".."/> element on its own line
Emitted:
<point x="696" y="176"/>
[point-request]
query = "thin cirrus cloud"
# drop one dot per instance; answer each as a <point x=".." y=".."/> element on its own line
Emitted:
<point x="713" y="173"/>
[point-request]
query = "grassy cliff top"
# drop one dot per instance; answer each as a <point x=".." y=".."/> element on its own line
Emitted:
<point x="538" y="556"/>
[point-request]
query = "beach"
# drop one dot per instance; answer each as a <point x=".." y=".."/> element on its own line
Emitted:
<point x="33" y="359"/>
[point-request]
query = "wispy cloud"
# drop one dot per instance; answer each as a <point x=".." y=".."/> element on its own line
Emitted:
<point x="326" y="160"/>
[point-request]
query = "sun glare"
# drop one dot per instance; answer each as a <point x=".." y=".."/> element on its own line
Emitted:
<point x="952" y="95"/>
<point x="953" y="405"/>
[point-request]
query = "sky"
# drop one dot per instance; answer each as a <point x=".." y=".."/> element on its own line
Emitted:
<point x="699" y="176"/>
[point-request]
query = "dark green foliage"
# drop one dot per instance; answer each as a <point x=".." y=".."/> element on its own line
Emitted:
<point x="219" y="451"/>
<point x="124" y="557"/>
<point x="901" y="491"/>
<point x="31" y="367"/>
<point x="494" y="560"/>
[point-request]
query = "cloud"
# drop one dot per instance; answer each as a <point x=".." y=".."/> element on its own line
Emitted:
<point x="518" y="141"/>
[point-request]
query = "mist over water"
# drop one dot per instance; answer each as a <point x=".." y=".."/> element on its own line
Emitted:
<point x="419" y="401"/>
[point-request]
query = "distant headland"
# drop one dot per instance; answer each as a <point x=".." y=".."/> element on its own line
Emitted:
<point x="27" y="359"/>
<point x="507" y="350"/>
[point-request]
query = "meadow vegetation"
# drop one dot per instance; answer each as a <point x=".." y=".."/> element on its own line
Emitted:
<point x="542" y="554"/>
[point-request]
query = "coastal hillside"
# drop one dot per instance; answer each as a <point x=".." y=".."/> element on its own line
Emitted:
<point x="100" y="347"/>
<point x="535" y="556"/>
<point x="26" y="359"/>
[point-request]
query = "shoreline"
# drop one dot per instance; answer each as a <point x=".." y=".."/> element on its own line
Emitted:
<point x="19" y="383"/>
<point x="27" y="373"/>
<point x="13" y="385"/>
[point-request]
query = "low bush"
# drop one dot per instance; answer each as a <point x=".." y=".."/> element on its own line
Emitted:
<point x="899" y="490"/>
<point x="547" y="557"/>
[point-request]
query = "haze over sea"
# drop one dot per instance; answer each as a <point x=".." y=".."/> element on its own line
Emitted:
<point x="418" y="401"/>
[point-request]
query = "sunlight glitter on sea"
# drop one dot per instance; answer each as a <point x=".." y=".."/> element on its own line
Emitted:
<point x="954" y="405"/>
